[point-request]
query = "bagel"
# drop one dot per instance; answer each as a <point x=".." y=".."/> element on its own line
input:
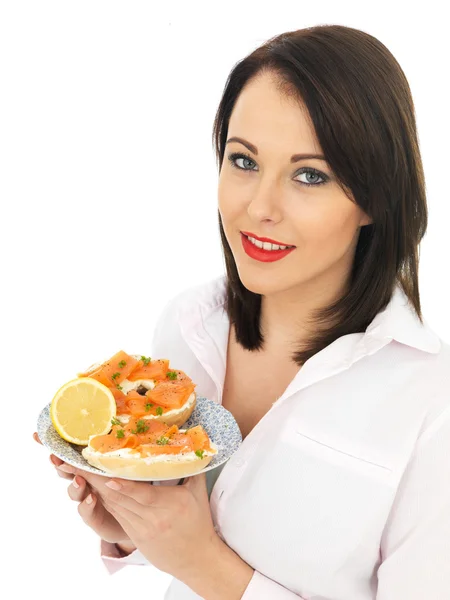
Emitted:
<point x="153" y="401"/>
<point x="150" y="450"/>
<point x="131" y="378"/>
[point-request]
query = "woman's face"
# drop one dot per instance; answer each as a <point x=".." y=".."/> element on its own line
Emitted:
<point x="267" y="195"/>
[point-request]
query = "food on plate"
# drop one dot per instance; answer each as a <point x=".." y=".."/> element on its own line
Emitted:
<point x="150" y="449"/>
<point x="127" y="412"/>
<point x="146" y="388"/>
<point x="81" y="408"/>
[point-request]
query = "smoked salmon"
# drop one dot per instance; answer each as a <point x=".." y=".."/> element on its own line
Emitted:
<point x="146" y="388"/>
<point x="148" y="438"/>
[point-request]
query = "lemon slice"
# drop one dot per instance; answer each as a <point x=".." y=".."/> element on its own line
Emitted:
<point x="82" y="407"/>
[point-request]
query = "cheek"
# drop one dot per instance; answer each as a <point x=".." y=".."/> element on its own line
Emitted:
<point x="230" y="204"/>
<point x="330" y="230"/>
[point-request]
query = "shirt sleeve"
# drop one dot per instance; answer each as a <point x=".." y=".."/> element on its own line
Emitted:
<point x="415" y="547"/>
<point x="114" y="561"/>
<point x="261" y="586"/>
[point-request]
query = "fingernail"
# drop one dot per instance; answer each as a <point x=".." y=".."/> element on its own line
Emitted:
<point x="75" y="483"/>
<point x="89" y="499"/>
<point x="67" y="468"/>
<point x="113" y="485"/>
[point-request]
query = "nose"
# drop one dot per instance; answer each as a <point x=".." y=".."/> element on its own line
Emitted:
<point x="265" y="205"/>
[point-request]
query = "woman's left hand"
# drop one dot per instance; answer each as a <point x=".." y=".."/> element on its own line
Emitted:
<point x="171" y="525"/>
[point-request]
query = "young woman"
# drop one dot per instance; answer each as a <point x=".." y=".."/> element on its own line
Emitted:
<point x="341" y="487"/>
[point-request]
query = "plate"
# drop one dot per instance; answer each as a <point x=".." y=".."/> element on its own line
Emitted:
<point x="217" y="421"/>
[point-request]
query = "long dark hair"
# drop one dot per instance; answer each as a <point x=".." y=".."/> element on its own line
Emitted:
<point x="362" y="110"/>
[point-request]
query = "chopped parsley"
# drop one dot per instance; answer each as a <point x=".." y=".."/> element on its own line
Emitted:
<point x="115" y="375"/>
<point x="162" y="440"/>
<point x="120" y="433"/>
<point x="159" y="410"/>
<point x="148" y="406"/>
<point x="115" y="421"/>
<point x="199" y="453"/>
<point x="141" y="427"/>
<point x="145" y="360"/>
<point x="122" y="364"/>
<point x="119" y="387"/>
<point x="171" y="374"/>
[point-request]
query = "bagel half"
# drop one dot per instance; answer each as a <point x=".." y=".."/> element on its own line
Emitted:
<point x="124" y="463"/>
<point x="136" y="450"/>
<point x="177" y="416"/>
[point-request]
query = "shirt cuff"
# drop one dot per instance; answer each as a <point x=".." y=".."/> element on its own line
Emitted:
<point x="261" y="586"/>
<point x="114" y="561"/>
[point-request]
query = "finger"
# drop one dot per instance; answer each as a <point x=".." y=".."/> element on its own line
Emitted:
<point x="62" y="474"/>
<point x="128" y="520"/>
<point x="132" y="494"/>
<point x="36" y="438"/>
<point x="78" y="490"/>
<point x="55" y="460"/>
<point x="67" y="468"/>
<point x="93" y="514"/>
<point x="90" y="511"/>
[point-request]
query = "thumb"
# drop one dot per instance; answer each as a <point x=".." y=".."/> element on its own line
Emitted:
<point x="197" y="485"/>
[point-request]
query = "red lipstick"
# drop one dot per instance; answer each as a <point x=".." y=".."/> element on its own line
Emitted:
<point x="261" y="254"/>
<point x="264" y="239"/>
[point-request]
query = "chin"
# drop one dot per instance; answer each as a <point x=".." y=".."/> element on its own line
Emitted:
<point x="259" y="282"/>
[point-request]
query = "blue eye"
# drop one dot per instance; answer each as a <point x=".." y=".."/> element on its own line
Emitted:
<point x="233" y="157"/>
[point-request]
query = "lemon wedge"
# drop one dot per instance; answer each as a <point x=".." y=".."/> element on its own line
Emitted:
<point x="82" y="407"/>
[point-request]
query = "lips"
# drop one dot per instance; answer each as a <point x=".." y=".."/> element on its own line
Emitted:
<point x="265" y="239"/>
<point x="265" y="256"/>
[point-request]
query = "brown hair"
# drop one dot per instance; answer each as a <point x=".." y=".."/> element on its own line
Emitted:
<point x="362" y="110"/>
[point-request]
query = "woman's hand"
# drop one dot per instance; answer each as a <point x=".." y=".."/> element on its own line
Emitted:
<point x="90" y="507"/>
<point x="172" y="526"/>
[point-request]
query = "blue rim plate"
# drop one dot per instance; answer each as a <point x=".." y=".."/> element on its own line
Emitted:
<point x="218" y="422"/>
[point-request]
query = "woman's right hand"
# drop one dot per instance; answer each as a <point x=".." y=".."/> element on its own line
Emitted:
<point x="94" y="514"/>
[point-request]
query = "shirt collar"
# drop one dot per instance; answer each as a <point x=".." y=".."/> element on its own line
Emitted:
<point x="205" y="327"/>
<point x="399" y="321"/>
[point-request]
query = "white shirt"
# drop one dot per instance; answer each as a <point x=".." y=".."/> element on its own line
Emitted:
<point x="342" y="490"/>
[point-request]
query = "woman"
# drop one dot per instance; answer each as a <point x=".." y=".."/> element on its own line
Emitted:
<point x="341" y="488"/>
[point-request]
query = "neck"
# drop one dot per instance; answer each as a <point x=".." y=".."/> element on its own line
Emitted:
<point x="285" y="315"/>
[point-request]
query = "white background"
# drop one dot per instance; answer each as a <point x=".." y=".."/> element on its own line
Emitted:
<point x="109" y="208"/>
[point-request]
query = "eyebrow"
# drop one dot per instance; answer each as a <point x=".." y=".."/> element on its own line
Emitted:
<point x="254" y="149"/>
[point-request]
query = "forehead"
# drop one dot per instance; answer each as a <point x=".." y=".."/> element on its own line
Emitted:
<point x="262" y="114"/>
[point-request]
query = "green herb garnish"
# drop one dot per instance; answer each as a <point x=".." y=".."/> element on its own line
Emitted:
<point x="120" y="433"/>
<point x="115" y="421"/>
<point x="199" y="453"/>
<point x="119" y="387"/>
<point x="148" y="406"/>
<point x="122" y="364"/>
<point x="145" y="360"/>
<point x="141" y="427"/>
<point x="159" y="410"/>
<point x="162" y="440"/>
<point x="115" y="375"/>
<point x="171" y="374"/>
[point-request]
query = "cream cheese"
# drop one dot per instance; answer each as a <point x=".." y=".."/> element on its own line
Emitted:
<point x="128" y="453"/>
<point x="128" y="385"/>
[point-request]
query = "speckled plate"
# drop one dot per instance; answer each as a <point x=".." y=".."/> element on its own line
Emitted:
<point x="217" y="421"/>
